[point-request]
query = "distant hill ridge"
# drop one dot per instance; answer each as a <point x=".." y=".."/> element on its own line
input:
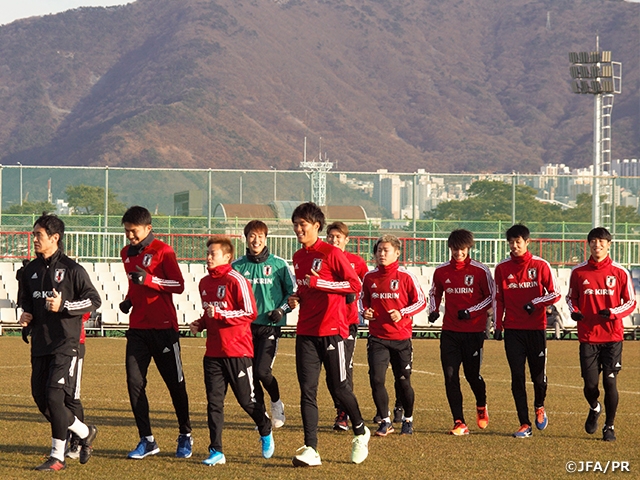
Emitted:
<point x="445" y="85"/>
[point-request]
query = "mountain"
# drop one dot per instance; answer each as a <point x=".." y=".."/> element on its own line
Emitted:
<point x="444" y="85"/>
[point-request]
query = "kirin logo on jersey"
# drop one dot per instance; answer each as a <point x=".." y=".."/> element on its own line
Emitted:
<point x="611" y="281"/>
<point x="393" y="285"/>
<point x="317" y="264"/>
<point x="222" y="290"/>
<point x="267" y="270"/>
<point x="449" y="290"/>
<point x="59" y="274"/>
<point x="146" y="260"/>
<point x="468" y="280"/>
<point x="532" y="273"/>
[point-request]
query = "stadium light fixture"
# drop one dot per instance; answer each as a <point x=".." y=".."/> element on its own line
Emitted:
<point x="594" y="73"/>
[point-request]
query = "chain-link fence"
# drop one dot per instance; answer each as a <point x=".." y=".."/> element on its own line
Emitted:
<point x="190" y="201"/>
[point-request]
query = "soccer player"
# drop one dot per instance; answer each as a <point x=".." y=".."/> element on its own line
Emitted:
<point x="525" y="285"/>
<point x="324" y="277"/>
<point x="229" y="308"/>
<point x="338" y="236"/>
<point x="56" y="292"/>
<point x="272" y="284"/>
<point x="391" y="296"/>
<point x="600" y="295"/>
<point x="154" y="276"/>
<point x="469" y="293"/>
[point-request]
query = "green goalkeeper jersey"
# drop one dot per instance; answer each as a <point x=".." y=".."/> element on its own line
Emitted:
<point x="272" y="284"/>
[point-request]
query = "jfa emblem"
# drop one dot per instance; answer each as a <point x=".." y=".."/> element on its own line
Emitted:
<point x="317" y="264"/>
<point x="611" y="281"/>
<point x="146" y="260"/>
<point x="533" y="273"/>
<point x="267" y="270"/>
<point x="221" y="291"/>
<point x="59" y="274"/>
<point x="468" y="280"/>
<point x="393" y="285"/>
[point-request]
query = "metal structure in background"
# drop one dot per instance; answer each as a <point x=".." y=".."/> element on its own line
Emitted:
<point x="317" y="171"/>
<point x="594" y="73"/>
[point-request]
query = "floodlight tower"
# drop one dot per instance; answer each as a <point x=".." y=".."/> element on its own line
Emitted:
<point x="317" y="171"/>
<point x="594" y="73"/>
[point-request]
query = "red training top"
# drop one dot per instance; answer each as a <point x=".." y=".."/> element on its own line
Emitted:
<point x="392" y="288"/>
<point x="322" y="298"/>
<point x="596" y="286"/>
<point x="360" y="266"/>
<point x="152" y="301"/>
<point x="229" y="331"/>
<point x="468" y="286"/>
<point x="522" y="280"/>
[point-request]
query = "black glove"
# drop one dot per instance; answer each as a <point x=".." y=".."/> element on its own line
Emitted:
<point x="125" y="306"/>
<point x="433" y="316"/>
<point x="464" y="315"/>
<point x="139" y="276"/>
<point x="577" y="316"/>
<point x="25" y="333"/>
<point x="606" y="313"/>
<point x="351" y="297"/>
<point x="275" y="315"/>
<point x="497" y="335"/>
<point x="529" y="308"/>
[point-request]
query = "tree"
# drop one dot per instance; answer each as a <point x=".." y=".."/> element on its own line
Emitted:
<point x="31" y="208"/>
<point x="89" y="200"/>
<point x="491" y="200"/>
<point x="581" y="212"/>
<point x="627" y="215"/>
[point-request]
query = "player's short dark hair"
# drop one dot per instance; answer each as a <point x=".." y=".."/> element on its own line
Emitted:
<point x="518" y="230"/>
<point x="599" y="233"/>
<point x="309" y="212"/>
<point x="137" y="215"/>
<point x="388" y="238"/>
<point x="461" y="238"/>
<point x="225" y="243"/>
<point x="340" y="226"/>
<point x="51" y="224"/>
<point x="256" y="226"/>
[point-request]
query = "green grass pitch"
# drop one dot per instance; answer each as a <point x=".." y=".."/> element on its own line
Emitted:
<point x="429" y="453"/>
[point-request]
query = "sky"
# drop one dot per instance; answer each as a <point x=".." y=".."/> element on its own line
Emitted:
<point x="11" y="10"/>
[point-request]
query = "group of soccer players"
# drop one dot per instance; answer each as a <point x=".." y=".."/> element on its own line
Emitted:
<point x="245" y="303"/>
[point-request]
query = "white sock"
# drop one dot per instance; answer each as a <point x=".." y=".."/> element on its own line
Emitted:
<point x="387" y="419"/>
<point x="57" y="448"/>
<point x="407" y="419"/>
<point x="150" y="439"/>
<point x="597" y="409"/>
<point x="79" y="428"/>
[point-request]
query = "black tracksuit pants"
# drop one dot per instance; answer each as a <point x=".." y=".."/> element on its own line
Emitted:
<point x="164" y="347"/>
<point x="219" y="373"/>
<point x="527" y="346"/>
<point x="265" y="349"/>
<point x="464" y="348"/>
<point x="400" y="354"/>
<point x="311" y="354"/>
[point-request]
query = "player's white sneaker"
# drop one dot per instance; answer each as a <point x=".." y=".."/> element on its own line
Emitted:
<point x="360" y="449"/>
<point x="308" y="457"/>
<point x="277" y="414"/>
